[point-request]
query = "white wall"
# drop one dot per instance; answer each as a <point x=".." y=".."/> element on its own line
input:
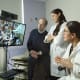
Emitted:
<point x="13" y="6"/>
<point x="32" y="9"/>
<point x="71" y="9"/>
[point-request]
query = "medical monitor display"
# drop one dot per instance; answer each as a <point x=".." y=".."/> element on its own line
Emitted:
<point x="11" y="33"/>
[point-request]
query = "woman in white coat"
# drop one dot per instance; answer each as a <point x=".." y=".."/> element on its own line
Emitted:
<point x="58" y="46"/>
<point x="71" y="59"/>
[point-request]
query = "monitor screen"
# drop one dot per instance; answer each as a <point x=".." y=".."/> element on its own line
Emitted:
<point x="11" y="33"/>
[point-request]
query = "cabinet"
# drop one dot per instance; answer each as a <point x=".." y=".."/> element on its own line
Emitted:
<point x="21" y="63"/>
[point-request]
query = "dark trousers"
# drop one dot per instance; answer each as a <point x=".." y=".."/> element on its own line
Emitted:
<point x="31" y="62"/>
<point x="38" y="69"/>
<point x="40" y="72"/>
<point x="42" y="68"/>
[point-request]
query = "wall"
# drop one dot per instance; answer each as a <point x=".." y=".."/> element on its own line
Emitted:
<point x="70" y="8"/>
<point x="32" y="10"/>
<point x="13" y="6"/>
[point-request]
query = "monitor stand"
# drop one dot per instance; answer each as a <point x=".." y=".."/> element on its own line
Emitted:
<point x="6" y="60"/>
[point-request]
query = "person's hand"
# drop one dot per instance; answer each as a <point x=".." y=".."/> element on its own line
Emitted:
<point x="58" y="59"/>
<point x="67" y="63"/>
<point x="50" y="37"/>
<point x="64" y="62"/>
<point x="34" y="54"/>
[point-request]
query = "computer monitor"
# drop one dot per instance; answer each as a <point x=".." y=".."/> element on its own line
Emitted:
<point x="11" y="33"/>
<point x="8" y="15"/>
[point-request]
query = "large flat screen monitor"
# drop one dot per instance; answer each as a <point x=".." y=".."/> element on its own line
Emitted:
<point x="11" y="33"/>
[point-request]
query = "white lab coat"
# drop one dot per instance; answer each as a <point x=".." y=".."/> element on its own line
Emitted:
<point x="57" y="48"/>
<point x="75" y="59"/>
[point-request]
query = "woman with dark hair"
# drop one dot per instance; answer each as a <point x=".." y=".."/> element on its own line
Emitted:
<point x="71" y="59"/>
<point x="58" y="46"/>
